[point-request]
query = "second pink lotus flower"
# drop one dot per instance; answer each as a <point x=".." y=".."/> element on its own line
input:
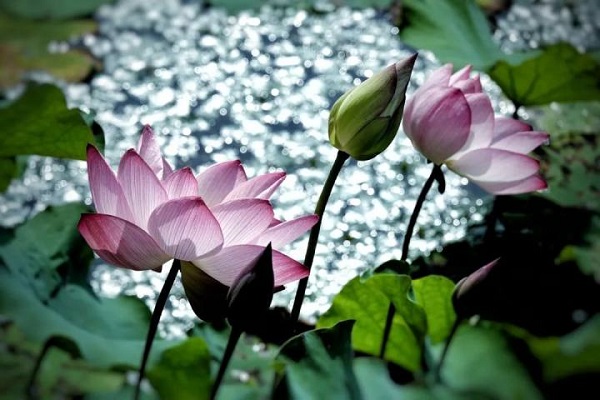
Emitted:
<point x="450" y="120"/>
<point x="148" y="214"/>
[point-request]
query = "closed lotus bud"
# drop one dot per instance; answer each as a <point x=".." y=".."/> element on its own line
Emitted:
<point x="251" y="294"/>
<point x="472" y="294"/>
<point x="364" y="120"/>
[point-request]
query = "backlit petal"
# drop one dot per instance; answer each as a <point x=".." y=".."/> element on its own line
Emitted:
<point x="438" y="123"/>
<point x="504" y="127"/>
<point x="181" y="183"/>
<point x="107" y="193"/>
<point x="185" y="228"/>
<point x="230" y="261"/>
<point x="260" y="187"/>
<point x="243" y="220"/>
<point x="521" y="142"/>
<point x="121" y="243"/>
<point x="529" y="184"/>
<point x="482" y="123"/>
<point x="286" y="232"/>
<point x="494" y="165"/>
<point x="215" y="183"/>
<point x="141" y="187"/>
<point x="439" y="77"/>
<point x="149" y="150"/>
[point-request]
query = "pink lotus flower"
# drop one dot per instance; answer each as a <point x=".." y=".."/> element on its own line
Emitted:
<point x="451" y="121"/>
<point x="148" y="214"/>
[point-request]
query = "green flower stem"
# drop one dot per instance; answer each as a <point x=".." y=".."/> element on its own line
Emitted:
<point x="156" y="313"/>
<point x="436" y="171"/>
<point x="438" y="368"/>
<point x="314" y="233"/>
<point x="234" y="337"/>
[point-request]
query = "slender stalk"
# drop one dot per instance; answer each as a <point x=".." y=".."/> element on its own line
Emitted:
<point x="156" y="313"/>
<point x="438" y="368"/>
<point x="234" y="336"/>
<point x="405" y="245"/>
<point x="314" y="233"/>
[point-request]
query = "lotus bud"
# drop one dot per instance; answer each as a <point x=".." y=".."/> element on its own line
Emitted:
<point x="470" y="292"/>
<point x="251" y="293"/>
<point x="364" y="120"/>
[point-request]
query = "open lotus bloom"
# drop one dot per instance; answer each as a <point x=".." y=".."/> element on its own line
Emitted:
<point x="220" y="221"/>
<point x="450" y="120"/>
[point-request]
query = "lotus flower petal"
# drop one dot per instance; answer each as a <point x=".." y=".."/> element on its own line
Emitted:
<point x="438" y="122"/>
<point x="141" y="187"/>
<point x="149" y="150"/>
<point x="504" y="127"/>
<point x="283" y="233"/>
<point x="521" y="142"/>
<point x="460" y="75"/>
<point x="438" y="78"/>
<point x="181" y="183"/>
<point x="243" y="220"/>
<point x="494" y="165"/>
<point x="217" y="181"/>
<point x="121" y="243"/>
<point x="529" y="184"/>
<point x="227" y="264"/>
<point x="107" y="193"/>
<point x="185" y="228"/>
<point x="261" y="187"/>
<point x="482" y="123"/>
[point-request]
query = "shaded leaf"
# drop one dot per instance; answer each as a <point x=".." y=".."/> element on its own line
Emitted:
<point x="37" y="249"/>
<point x="456" y="31"/>
<point x="60" y="376"/>
<point x="8" y="171"/>
<point x="318" y="364"/>
<point x="586" y="256"/>
<point x="39" y="322"/>
<point x="375" y="384"/>
<point x="573" y="171"/>
<point x="575" y="353"/>
<point x="24" y="47"/>
<point x="183" y="371"/>
<point x="367" y="301"/>
<point x="434" y="294"/>
<point x="480" y="361"/>
<point x="39" y="122"/>
<point x="559" y="74"/>
<point x="564" y="119"/>
<point x="51" y="9"/>
<point x="250" y="373"/>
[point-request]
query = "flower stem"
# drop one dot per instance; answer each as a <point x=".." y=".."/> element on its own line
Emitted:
<point x="438" y="368"/>
<point x="437" y="170"/>
<point x="156" y="313"/>
<point x="314" y="232"/>
<point x="234" y="336"/>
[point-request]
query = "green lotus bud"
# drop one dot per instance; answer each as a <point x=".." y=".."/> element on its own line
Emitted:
<point x="251" y="293"/>
<point x="364" y="120"/>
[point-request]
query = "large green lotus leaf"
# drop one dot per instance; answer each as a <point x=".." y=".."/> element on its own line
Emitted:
<point x="434" y="294"/>
<point x="573" y="172"/>
<point x="98" y="344"/>
<point x="318" y="364"/>
<point x="481" y="362"/>
<point x="60" y="376"/>
<point x="559" y="74"/>
<point x="51" y="9"/>
<point x="47" y="250"/>
<point x="39" y="122"/>
<point x="183" y="371"/>
<point x="24" y="47"/>
<point x="456" y="31"/>
<point x="367" y="301"/>
<point x="575" y="353"/>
